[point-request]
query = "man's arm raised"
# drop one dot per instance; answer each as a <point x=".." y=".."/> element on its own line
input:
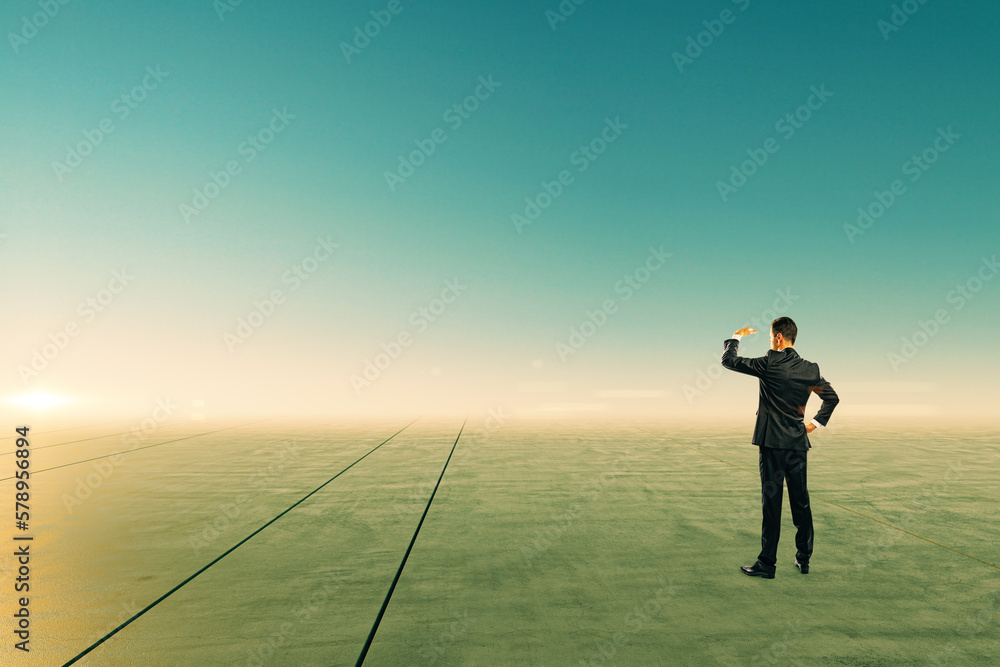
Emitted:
<point x="750" y="366"/>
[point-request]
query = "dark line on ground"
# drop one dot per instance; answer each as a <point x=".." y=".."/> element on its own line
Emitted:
<point x="812" y="495"/>
<point x="60" y="430"/>
<point x="136" y="449"/>
<point x="914" y="450"/>
<point x="915" y="479"/>
<point x="886" y="472"/>
<point x="226" y="553"/>
<point x="71" y="442"/>
<point x="385" y="603"/>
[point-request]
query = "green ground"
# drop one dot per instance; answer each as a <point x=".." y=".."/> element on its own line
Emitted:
<point x="545" y="545"/>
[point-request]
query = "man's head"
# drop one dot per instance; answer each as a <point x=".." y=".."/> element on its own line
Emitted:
<point x="783" y="332"/>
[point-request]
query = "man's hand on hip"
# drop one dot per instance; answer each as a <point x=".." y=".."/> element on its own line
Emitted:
<point x="810" y="428"/>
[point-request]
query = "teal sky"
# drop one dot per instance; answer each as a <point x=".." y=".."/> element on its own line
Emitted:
<point x="345" y="124"/>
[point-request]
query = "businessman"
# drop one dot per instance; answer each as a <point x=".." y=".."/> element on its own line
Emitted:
<point x="786" y="381"/>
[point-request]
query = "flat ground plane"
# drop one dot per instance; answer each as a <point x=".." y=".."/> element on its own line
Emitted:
<point x="545" y="544"/>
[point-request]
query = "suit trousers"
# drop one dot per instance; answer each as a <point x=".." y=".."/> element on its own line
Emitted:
<point x="778" y="467"/>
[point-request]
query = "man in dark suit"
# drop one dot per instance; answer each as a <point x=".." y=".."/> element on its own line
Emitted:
<point x="786" y="381"/>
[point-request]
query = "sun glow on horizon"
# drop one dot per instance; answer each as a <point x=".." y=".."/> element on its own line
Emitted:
<point x="39" y="400"/>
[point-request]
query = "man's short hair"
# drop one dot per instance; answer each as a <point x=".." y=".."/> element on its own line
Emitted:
<point x="786" y="327"/>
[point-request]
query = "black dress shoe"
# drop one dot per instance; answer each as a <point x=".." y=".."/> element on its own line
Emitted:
<point x="803" y="567"/>
<point x="756" y="570"/>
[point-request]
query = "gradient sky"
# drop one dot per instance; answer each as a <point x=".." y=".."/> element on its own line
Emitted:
<point x="323" y="177"/>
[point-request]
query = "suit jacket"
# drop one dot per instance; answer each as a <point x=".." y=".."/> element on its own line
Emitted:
<point x="786" y="381"/>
